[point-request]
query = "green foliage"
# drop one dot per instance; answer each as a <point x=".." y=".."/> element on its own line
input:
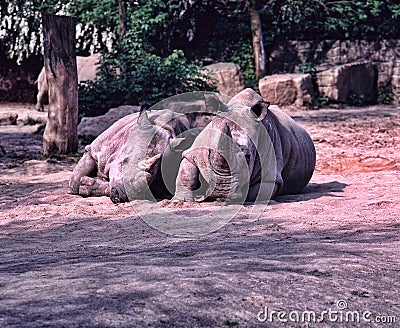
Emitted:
<point x="308" y="68"/>
<point x="356" y="99"/>
<point x="333" y="19"/>
<point x="149" y="69"/>
<point x="164" y="38"/>
<point x="21" y="30"/>
<point x="241" y="53"/>
<point x="97" y="24"/>
<point x="385" y="94"/>
<point x="321" y="100"/>
<point x="230" y="39"/>
<point x="144" y="78"/>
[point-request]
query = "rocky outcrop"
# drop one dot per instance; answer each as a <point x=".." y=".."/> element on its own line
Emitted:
<point x="228" y="78"/>
<point x="91" y="127"/>
<point x="286" y="56"/>
<point x="356" y="79"/>
<point x="287" y="89"/>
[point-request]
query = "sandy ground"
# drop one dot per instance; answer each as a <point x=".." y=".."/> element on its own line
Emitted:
<point x="332" y="251"/>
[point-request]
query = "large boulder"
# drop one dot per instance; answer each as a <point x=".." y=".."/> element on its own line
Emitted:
<point x="228" y="76"/>
<point x="341" y="82"/>
<point x="287" y="89"/>
<point x="91" y="127"/>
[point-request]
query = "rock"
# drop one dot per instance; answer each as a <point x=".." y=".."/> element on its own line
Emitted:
<point x="229" y="78"/>
<point x="385" y="72"/>
<point x="341" y="82"/>
<point x="287" y="89"/>
<point x="396" y="82"/>
<point x="8" y="118"/>
<point x="304" y="88"/>
<point x="196" y="101"/>
<point x="93" y="126"/>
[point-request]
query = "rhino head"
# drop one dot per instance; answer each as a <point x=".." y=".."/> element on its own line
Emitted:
<point x="226" y="158"/>
<point x="137" y="173"/>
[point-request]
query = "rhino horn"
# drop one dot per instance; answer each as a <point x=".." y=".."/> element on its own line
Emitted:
<point x="223" y="154"/>
<point x="148" y="163"/>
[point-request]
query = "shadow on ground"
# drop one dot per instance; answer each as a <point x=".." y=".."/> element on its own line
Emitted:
<point x="314" y="191"/>
<point x="96" y="272"/>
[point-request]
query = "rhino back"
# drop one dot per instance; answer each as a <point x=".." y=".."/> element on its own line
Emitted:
<point x="294" y="149"/>
<point x="107" y="146"/>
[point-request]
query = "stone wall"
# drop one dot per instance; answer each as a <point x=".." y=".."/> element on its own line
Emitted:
<point x="285" y="57"/>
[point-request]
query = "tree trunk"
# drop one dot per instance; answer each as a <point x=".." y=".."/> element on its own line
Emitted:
<point x="60" y="135"/>
<point x="258" y="44"/>
<point x="122" y="7"/>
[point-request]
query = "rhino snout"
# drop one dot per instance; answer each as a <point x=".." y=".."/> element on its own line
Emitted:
<point x="117" y="195"/>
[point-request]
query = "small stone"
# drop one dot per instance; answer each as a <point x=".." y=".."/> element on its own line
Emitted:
<point x="8" y="118"/>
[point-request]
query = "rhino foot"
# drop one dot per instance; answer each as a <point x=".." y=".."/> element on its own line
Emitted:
<point x="171" y="203"/>
<point x="93" y="187"/>
<point x="39" y="108"/>
<point x="177" y="203"/>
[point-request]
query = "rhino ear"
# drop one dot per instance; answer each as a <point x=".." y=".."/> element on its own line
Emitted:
<point x="260" y="109"/>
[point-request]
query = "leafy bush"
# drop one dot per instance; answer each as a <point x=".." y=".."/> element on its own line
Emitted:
<point x="332" y="19"/>
<point x="385" y="94"/>
<point x="356" y="99"/>
<point x="140" y="78"/>
<point x="321" y="100"/>
<point x="145" y="66"/>
<point x="308" y="68"/>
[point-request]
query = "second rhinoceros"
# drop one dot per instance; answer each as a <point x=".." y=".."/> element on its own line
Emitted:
<point x="252" y="152"/>
<point x="124" y="161"/>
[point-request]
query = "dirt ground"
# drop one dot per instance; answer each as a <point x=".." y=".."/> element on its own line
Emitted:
<point x="332" y="251"/>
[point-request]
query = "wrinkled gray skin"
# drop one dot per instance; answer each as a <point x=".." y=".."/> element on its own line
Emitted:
<point x="223" y="162"/>
<point x="128" y="154"/>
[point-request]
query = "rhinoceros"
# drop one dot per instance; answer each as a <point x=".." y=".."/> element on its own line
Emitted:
<point x="86" y="70"/>
<point x="252" y="152"/>
<point x="124" y="162"/>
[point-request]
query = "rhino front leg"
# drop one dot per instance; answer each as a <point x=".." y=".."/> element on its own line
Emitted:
<point x="187" y="182"/>
<point x="42" y="89"/>
<point x="39" y="104"/>
<point x="94" y="187"/>
<point x="86" y="166"/>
